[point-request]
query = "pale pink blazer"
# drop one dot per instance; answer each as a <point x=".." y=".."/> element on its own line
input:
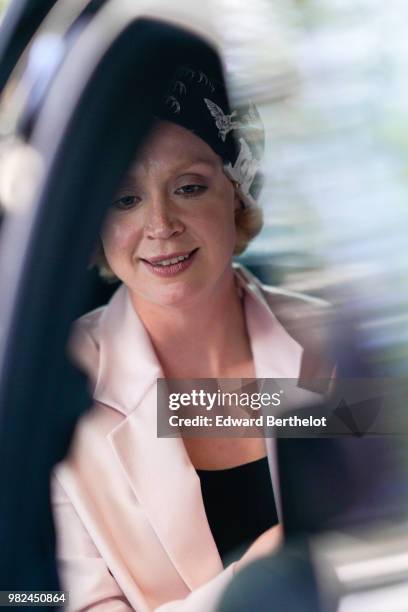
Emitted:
<point x="132" y="532"/>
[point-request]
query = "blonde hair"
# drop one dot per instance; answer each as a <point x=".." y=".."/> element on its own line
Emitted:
<point x="248" y="224"/>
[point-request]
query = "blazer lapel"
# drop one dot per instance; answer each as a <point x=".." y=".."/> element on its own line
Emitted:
<point x="158" y="470"/>
<point x="166" y="484"/>
<point x="275" y="354"/>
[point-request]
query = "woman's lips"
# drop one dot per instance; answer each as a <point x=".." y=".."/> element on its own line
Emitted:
<point x="156" y="265"/>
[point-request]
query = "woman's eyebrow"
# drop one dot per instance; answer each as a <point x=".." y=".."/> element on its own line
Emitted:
<point x="184" y="167"/>
<point x="199" y="162"/>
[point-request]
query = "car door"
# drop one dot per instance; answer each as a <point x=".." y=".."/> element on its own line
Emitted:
<point x="74" y="135"/>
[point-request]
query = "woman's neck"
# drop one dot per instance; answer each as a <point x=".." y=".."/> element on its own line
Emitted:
<point x="206" y="339"/>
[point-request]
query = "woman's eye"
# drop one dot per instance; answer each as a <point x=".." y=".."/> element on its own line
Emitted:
<point x="191" y="190"/>
<point x="126" y="202"/>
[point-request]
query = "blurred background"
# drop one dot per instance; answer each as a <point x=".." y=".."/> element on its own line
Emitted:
<point x="333" y="92"/>
<point x="329" y="77"/>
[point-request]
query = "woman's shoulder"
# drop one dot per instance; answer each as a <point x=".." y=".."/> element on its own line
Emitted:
<point x="83" y="346"/>
<point x="89" y="331"/>
<point x="88" y="323"/>
<point x="278" y="297"/>
<point x="307" y="319"/>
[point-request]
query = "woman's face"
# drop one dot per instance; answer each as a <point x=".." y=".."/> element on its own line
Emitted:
<point x="170" y="233"/>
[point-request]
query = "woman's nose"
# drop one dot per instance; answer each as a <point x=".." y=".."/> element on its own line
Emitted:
<point x="161" y="220"/>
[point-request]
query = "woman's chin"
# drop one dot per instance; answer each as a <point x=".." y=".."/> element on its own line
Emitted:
<point x="175" y="294"/>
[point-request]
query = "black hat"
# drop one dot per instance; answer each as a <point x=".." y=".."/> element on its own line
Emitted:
<point x="198" y="101"/>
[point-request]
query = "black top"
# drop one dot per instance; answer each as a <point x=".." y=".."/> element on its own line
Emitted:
<point x="240" y="505"/>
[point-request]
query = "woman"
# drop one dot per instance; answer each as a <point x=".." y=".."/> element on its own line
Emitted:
<point x="140" y="520"/>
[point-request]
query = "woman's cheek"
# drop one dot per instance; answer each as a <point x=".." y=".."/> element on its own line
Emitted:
<point x="223" y="224"/>
<point x="118" y="235"/>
